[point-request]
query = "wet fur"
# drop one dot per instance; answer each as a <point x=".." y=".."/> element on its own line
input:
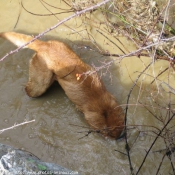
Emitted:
<point x="54" y="60"/>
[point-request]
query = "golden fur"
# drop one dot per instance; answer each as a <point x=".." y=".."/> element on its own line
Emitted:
<point x="56" y="61"/>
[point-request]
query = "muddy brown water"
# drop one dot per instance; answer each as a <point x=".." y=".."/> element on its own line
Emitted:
<point x="57" y="135"/>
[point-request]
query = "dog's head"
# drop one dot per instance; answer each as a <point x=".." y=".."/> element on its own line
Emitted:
<point x="113" y="123"/>
<point x="109" y="122"/>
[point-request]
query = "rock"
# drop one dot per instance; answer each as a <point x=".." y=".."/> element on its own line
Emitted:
<point x="16" y="162"/>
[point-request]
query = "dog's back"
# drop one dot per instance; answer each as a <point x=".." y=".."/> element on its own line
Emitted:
<point x="56" y="61"/>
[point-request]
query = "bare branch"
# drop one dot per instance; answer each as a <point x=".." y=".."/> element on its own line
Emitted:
<point x="155" y="142"/>
<point x="16" y="125"/>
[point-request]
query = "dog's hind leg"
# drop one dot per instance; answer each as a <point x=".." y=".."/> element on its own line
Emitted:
<point x="40" y="77"/>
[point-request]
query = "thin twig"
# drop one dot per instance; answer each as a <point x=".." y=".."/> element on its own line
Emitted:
<point x="16" y="125"/>
<point x="126" y="111"/>
<point x="18" y="16"/>
<point x="159" y="74"/>
<point x="160" y="164"/>
<point x="111" y="42"/>
<point x="160" y="132"/>
<point x="50" y="14"/>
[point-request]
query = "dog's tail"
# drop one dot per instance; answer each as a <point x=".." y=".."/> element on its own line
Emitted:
<point x="21" y="39"/>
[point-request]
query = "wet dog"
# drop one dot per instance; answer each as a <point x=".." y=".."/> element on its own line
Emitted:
<point x="54" y="60"/>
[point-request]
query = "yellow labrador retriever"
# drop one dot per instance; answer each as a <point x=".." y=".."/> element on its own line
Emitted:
<point x="54" y="60"/>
